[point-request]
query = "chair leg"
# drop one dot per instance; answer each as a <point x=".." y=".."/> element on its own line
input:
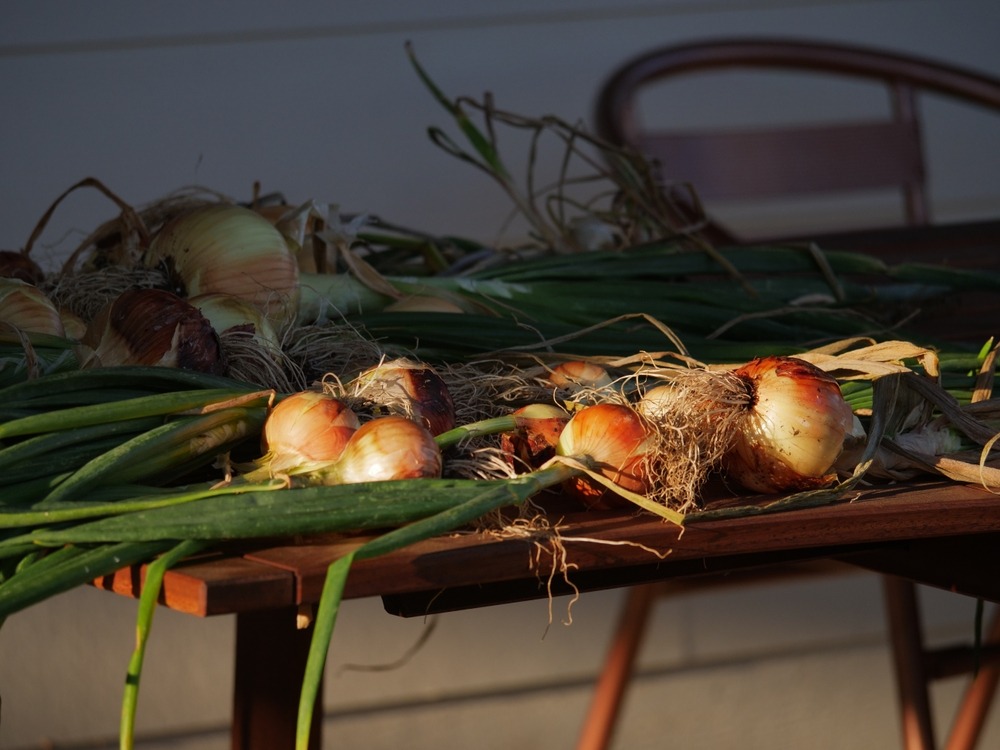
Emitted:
<point x="971" y="714"/>
<point x="907" y="651"/>
<point x="599" y="724"/>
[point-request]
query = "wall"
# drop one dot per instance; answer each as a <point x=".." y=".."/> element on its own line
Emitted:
<point x="318" y="100"/>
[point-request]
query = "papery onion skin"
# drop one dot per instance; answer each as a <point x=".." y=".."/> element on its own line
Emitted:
<point x="534" y="440"/>
<point x="152" y="327"/>
<point x="306" y="431"/>
<point x="385" y="449"/>
<point x="611" y="439"/>
<point x="795" y="427"/>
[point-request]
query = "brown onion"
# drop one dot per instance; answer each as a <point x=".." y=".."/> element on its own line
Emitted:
<point x="151" y="327"/>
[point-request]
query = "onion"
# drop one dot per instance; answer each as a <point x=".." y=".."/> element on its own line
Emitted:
<point x="385" y="449"/>
<point x="793" y="428"/>
<point x="534" y="440"/>
<point x="19" y="265"/>
<point x="226" y="248"/>
<point x="407" y="388"/>
<point x="306" y="431"/>
<point x="227" y="312"/>
<point x="614" y="441"/>
<point x="151" y="327"/>
<point x="26" y="307"/>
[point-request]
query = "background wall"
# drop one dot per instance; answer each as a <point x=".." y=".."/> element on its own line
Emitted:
<point x="318" y="100"/>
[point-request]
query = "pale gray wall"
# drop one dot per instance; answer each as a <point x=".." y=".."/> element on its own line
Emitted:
<point x="318" y="100"/>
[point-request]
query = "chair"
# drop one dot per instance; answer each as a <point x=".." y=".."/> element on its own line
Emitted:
<point x="768" y="162"/>
<point x="867" y="153"/>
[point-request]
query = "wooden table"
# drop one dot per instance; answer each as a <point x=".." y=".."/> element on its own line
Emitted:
<point x="938" y="533"/>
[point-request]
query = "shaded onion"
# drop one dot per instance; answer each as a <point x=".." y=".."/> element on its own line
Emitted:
<point x="151" y="327"/>
<point x="27" y="308"/>
<point x="413" y="389"/>
<point x="229" y="249"/>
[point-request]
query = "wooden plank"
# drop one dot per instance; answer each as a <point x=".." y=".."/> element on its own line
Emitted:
<point x="608" y="541"/>
<point x="217" y="584"/>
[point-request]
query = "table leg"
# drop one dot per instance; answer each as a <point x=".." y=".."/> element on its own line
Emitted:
<point x="271" y="657"/>
<point x="908" y="658"/>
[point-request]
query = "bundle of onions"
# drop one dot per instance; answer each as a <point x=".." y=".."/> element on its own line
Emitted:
<point x="305" y="431"/>
<point x="408" y="388"/>
<point x="151" y="327"/>
<point x="381" y="450"/>
<point x="793" y="426"/>
<point x="225" y="248"/>
<point x="27" y="308"/>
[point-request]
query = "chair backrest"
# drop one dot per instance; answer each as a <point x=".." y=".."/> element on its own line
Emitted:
<point x="766" y="162"/>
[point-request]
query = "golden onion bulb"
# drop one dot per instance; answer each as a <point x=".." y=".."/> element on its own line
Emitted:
<point x="794" y="428"/>
<point x="229" y="249"/>
<point x="613" y="440"/>
<point x="386" y="449"/>
<point x="304" y="432"/>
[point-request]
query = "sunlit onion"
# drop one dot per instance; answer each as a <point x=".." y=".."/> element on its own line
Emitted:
<point x="304" y="432"/>
<point x="613" y="440"/>
<point x="385" y="449"/>
<point x="795" y="424"/>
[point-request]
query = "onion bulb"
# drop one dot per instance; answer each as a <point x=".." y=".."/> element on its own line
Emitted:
<point x="19" y="265"/>
<point x="533" y="441"/>
<point x="613" y="440"/>
<point x="306" y="431"/>
<point x="793" y="428"/>
<point x="151" y="327"/>
<point x="408" y="388"/>
<point x="27" y="308"/>
<point x="221" y="247"/>
<point x="227" y="312"/>
<point x="385" y="449"/>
